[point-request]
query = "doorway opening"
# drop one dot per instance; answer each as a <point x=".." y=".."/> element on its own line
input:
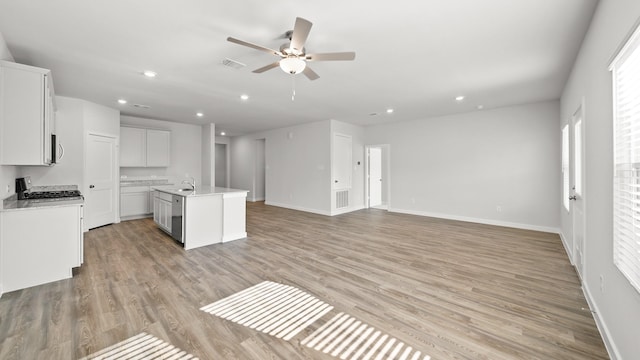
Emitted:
<point x="377" y="181"/>
<point x="259" y="183"/>
<point x="222" y="166"/>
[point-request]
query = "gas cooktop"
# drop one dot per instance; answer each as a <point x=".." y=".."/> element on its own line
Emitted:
<point x="55" y="194"/>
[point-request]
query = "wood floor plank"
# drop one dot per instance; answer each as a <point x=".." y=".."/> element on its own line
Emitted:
<point x="449" y="289"/>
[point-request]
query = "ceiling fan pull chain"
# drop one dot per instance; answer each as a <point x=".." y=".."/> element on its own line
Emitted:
<point x="293" y="87"/>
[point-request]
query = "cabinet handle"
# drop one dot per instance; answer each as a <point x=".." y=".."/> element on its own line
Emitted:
<point x="91" y="186"/>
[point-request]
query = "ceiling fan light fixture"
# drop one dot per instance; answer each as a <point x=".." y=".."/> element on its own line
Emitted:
<point x="292" y="65"/>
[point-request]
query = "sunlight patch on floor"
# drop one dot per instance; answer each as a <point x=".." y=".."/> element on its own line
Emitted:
<point x="272" y="308"/>
<point x="141" y="346"/>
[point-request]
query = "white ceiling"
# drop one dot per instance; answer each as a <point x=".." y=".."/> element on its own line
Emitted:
<point x="413" y="56"/>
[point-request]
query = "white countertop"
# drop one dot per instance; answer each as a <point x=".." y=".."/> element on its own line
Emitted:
<point x="10" y="205"/>
<point x="199" y="191"/>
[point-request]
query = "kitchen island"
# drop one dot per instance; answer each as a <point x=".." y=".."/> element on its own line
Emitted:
<point x="202" y="216"/>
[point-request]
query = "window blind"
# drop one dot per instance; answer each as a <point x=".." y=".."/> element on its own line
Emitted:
<point x="626" y="178"/>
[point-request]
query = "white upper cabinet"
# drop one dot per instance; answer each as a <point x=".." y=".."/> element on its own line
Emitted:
<point x="158" y="142"/>
<point x="27" y="114"/>
<point x="144" y="147"/>
<point x="133" y="147"/>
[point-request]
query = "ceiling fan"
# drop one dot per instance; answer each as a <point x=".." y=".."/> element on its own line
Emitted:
<point x="293" y="56"/>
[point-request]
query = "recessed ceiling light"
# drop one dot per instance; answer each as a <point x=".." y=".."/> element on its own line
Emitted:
<point x="480" y="107"/>
<point x="199" y="114"/>
<point x="223" y="133"/>
<point x="244" y="97"/>
<point x="122" y="101"/>
<point x="389" y="111"/>
<point x="149" y="73"/>
<point x="460" y="98"/>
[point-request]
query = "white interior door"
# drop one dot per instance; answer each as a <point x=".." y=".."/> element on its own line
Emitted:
<point x="577" y="206"/>
<point x="341" y="161"/>
<point x="100" y="195"/>
<point x="375" y="177"/>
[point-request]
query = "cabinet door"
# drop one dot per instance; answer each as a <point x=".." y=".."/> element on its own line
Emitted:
<point x="156" y="210"/>
<point x="34" y="255"/>
<point x="166" y="215"/>
<point x="133" y="147"/>
<point x="158" y="149"/>
<point x="134" y="204"/>
<point x="22" y="114"/>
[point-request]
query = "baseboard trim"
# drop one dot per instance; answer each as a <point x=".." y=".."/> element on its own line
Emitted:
<point x="548" y="229"/>
<point x="611" y="347"/>
<point x="299" y="208"/>
<point x="231" y="237"/>
<point x="135" y="217"/>
<point x="255" y="199"/>
<point x="347" y="210"/>
<point x="567" y="249"/>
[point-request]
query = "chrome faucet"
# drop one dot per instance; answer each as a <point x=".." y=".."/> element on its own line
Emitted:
<point x="192" y="183"/>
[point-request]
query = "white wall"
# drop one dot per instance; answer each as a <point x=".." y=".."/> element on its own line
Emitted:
<point x="298" y="167"/>
<point x="357" y="192"/>
<point x="617" y="307"/>
<point x="186" y="150"/>
<point x="464" y="166"/>
<point x="75" y="119"/>
<point x="70" y="133"/>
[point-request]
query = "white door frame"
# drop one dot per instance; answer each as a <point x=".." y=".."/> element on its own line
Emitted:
<point x="116" y="170"/>
<point x="386" y="148"/>
<point x="578" y="234"/>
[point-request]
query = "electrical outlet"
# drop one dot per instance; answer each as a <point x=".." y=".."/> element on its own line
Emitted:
<point x="499" y="208"/>
<point x="8" y="189"/>
<point x="413" y="200"/>
<point x="601" y="284"/>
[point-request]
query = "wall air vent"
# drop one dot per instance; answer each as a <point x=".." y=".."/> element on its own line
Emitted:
<point x="233" y="64"/>
<point x="142" y="106"/>
<point x="342" y="199"/>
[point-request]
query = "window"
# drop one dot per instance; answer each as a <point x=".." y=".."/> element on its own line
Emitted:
<point x="565" y="167"/>
<point x="626" y="171"/>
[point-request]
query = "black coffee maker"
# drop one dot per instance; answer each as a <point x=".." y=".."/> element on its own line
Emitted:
<point x="23" y="185"/>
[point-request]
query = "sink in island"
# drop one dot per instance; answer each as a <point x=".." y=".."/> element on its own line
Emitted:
<point x="202" y="216"/>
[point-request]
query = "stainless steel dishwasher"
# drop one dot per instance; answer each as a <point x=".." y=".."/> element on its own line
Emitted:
<point x="177" y="218"/>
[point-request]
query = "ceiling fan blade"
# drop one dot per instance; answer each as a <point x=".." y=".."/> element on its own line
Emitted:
<point x="254" y="46"/>
<point x="300" y="33"/>
<point x="310" y="73"/>
<point x="338" y="56"/>
<point x="268" y="67"/>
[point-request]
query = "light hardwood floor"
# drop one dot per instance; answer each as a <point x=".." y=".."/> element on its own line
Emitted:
<point x="452" y="290"/>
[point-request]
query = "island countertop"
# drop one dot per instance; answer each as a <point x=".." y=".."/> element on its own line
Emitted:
<point x="199" y="190"/>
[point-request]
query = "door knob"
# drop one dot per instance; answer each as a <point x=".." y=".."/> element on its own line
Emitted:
<point x="573" y="197"/>
<point x="91" y="186"/>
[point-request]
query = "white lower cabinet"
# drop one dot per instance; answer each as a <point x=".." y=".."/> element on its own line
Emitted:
<point x="40" y="245"/>
<point x="162" y="210"/>
<point x="134" y="201"/>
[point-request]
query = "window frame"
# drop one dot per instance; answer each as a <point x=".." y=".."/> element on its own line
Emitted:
<point x="625" y="69"/>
